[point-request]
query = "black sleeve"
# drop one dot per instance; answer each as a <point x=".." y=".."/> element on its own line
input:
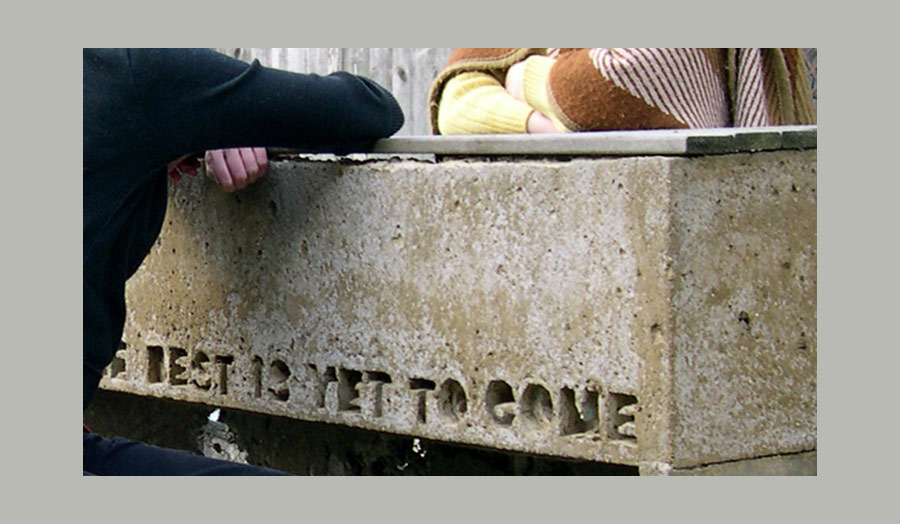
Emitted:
<point x="200" y="99"/>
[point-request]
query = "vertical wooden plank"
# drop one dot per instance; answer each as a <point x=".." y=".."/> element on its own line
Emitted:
<point x="323" y="60"/>
<point x="380" y="66"/>
<point x="357" y="60"/>
<point x="401" y="84"/>
<point x="295" y="60"/>
<point x="259" y="53"/>
<point x="427" y="63"/>
<point x="335" y="59"/>
<point x="312" y="62"/>
<point x="277" y="58"/>
<point x="230" y="51"/>
<point x="320" y="60"/>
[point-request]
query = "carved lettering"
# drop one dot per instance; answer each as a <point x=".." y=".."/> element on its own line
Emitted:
<point x="574" y="420"/>
<point x="377" y="379"/>
<point x="537" y="407"/>
<point x="154" y="364"/>
<point x="348" y="394"/>
<point x="201" y="376"/>
<point x="452" y="400"/>
<point x="280" y="373"/>
<point x="575" y="411"/>
<point x="621" y="409"/>
<point x="256" y="375"/>
<point x="500" y="402"/>
<point x="421" y="387"/>
<point x="321" y="382"/>
<point x="116" y="368"/>
<point x="222" y="363"/>
<point x="178" y="367"/>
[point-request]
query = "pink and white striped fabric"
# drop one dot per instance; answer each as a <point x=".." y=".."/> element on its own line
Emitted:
<point x="685" y="83"/>
<point x="753" y="91"/>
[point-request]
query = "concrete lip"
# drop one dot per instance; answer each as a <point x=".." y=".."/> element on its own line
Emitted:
<point x="648" y="142"/>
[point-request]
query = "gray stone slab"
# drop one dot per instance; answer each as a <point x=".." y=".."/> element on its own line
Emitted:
<point x="799" y="140"/>
<point x="759" y="141"/>
<point x="651" y="142"/>
<point x="611" y="143"/>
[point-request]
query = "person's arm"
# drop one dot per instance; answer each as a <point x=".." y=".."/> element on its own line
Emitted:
<point x="473" y="103"/>
<point x="527" y="81"/>
<point x="201" y="100"/>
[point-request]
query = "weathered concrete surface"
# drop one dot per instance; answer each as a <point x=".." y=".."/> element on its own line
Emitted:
<point x="646" y="310"/>
<point x="744" y="307"/>
<point x="798" y="464"/>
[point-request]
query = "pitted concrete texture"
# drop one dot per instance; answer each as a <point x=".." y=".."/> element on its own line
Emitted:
<point x="635" y="310"/>
<point x="796" y="464"/>
<point x="744" y="303"/>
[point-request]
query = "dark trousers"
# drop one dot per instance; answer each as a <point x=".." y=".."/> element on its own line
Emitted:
<point x="118" y="456"/>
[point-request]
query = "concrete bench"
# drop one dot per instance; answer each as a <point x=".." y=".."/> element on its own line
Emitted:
<point x="638" y="298"/>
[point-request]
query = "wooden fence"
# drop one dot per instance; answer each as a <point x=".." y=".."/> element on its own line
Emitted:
<point x="407" y="72"/>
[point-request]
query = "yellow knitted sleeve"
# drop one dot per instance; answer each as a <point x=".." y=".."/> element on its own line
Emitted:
<point x="536" y="85"/>
<point x="473" y="103"/>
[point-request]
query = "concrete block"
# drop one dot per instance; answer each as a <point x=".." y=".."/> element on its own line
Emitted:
<point x="638" y="310"/>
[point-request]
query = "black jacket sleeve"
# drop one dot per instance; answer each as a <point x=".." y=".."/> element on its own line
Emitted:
<point x="198" y="99"/>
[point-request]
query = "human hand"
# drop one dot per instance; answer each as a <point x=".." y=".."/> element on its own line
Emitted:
<point x="515" y="80"/>
<point x="236" y="168"/>
<point x="515" y="86"/>
<point x="539" y="123"/>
